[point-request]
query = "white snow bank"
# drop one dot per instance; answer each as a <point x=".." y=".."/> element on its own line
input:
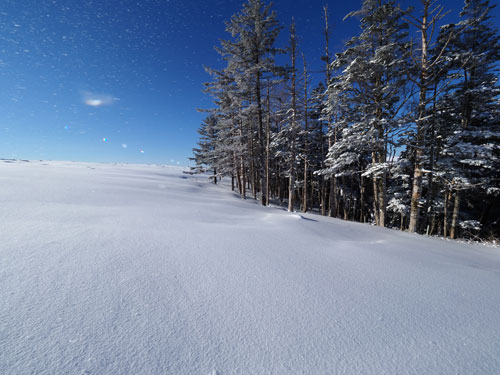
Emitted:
<point x="123" y="269"/>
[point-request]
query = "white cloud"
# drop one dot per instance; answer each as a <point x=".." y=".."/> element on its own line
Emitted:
<point x="97" y="100"/>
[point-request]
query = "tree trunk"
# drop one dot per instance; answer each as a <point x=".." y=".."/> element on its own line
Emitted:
<point x="362" y="203"/>
<point x="291" y="190"/>
<point x="415" y="197"/>
<point x="323" y="196"/>
<point x="430" y="187"/>
<point x="243" y="180"/>
<point x="293" y="124"/>
<point x="268" y="131"/>
<point x="238" y="175"/>
<point x="306" y="146"/>
<point x="261" y="154"/>
<point x="304" y="190"/>
<point x="454" y="218"/>
<point x="383" y="199"/>
<point x="332" y="200"/>
<point x="376" y="209"/>
<point x="445" y="218"/>
<point x="328" y="71"/>
<point x="422" y="105"/>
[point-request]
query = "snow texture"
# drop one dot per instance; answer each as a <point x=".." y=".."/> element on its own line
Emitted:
<point x="128" y="269"/>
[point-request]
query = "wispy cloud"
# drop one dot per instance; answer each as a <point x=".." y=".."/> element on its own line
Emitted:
<point x="97" y="100"/>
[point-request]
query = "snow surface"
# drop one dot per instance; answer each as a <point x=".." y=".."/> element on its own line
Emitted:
<point x="127" y="269"/>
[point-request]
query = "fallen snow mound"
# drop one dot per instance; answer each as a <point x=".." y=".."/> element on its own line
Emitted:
<point x="134" y="269"/>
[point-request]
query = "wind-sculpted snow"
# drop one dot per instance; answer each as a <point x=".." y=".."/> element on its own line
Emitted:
<point x="125" y="269"/>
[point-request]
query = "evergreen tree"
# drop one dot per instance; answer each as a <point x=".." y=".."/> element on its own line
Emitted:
<point x="425" y="71"/>
<point x="269" y="134"/>
<point x="205" y="154"/>
<point x="251" y="59"/>
<point x="470" y="160"/>
<point x="374" y="77"/>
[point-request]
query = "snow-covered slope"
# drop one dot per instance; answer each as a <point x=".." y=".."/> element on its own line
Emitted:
<point x="123" y="269"/>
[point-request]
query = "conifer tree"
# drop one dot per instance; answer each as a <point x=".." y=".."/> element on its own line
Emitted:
<point x="470" y="161"/>
<point x="251" y="57"/>
<point x="374" y="77"/>
<point x="205" y="156"/>
<point x="425" y="79"/>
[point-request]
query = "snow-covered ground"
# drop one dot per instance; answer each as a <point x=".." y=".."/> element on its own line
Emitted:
<point x="127" y="269"/>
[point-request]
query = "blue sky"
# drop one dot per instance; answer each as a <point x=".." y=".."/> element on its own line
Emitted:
<point x="120" y="80"/>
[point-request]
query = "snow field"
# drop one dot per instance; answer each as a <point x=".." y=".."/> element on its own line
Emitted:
<point x="134" y="269"/>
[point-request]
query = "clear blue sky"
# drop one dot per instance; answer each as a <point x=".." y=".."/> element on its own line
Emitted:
<point x="120" y="80"/>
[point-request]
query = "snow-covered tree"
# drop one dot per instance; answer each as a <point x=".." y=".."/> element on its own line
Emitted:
<point x="374" y="76"/>
<point x="205" y="155"/>
<point x="287" y="138"/>
<point x="470" y="160"/>
<point x="338" y="148"/>
<point x="425" y="72"/>
<point x="250" y="55"/>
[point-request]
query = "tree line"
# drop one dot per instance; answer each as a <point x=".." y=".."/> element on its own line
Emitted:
<point x="403" y="129"/>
